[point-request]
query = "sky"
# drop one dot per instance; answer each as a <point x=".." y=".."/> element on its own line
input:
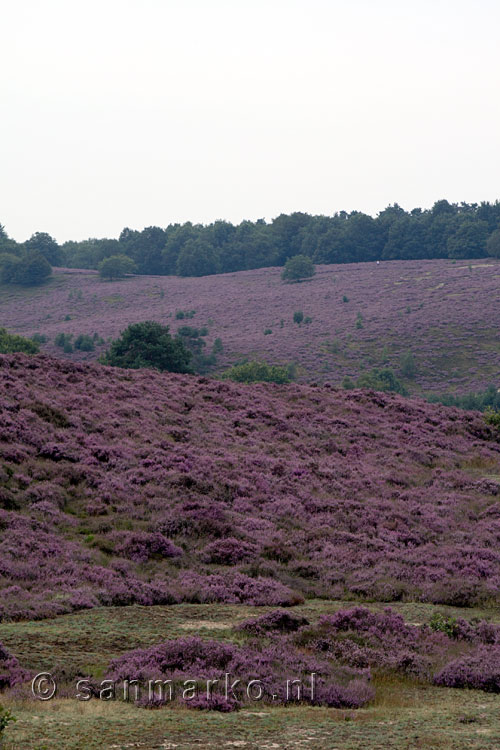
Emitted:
<point x="149" y="112"/>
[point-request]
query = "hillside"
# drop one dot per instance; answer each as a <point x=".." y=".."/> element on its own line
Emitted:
<point x="445" y="313"/>
<point x="131" y="486"/>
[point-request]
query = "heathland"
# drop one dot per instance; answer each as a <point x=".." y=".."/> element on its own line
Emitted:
<point x="439" y="315"/>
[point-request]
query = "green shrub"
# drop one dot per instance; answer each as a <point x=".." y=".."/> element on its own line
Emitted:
<point x="492" y="417"/>
<point x="260" y="372"/>
<point x="307" y="320"/>
<point x="345" y="298"/>
<point x="6" y="718"/>
<point x="84" y="343"/>
<point x="297" y="268"/>
<point x="10" y="343"/>
<point x="442" y="624"/>
<point x="64" y="340"/>
<point x="298" y="317"/>
<point x="381" y="380"/>
<point x="267" y="331"/>
<point x="116" y="267"/>
<point x="408" y="365"/>
<point x="217" y="347"/>
<point x="359" y="321"/>
<point x="39" y="338"/>
<point x="148" y="344"/>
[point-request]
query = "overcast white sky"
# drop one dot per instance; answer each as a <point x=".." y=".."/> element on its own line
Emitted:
<point x="137" y="112"/>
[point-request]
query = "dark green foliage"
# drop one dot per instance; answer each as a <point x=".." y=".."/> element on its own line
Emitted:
<point x="217" y="347"/>
<point x="447" y="230"/>
<point x="6" y="717"/>
<point x="267" y="331"/>
<point x="10" y="343"/>
<point x="345" y="298"/>
<point x="298" y="317"/>
<point x="492" y="417"/>
<point x="408" y="365"/>
<point x="192" y="339"/>
<point x="379" y="380"/>
<point x="116" y="267"/>
<point x="258" y="372"/>
<point x="493" y="244"/>
<point x="149" y="344"/>
<point x="29" y="270"/>
<point x="297" y="268"/>
<point x="359" y="321"/>
<point x="39" y="338"/>
<point x="46" y="245"/>
<point x="442" y="624"/>
<point x="487" y="399"/>
<point x="181" y="314"/>
<point x="84" y="343"/>
<point x="8" y="266"/>
<point x="64" y="341"/>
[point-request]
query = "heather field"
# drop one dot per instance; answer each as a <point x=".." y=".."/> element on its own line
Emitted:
<point x="164" y="526"/>
<point x="444" y="312"/>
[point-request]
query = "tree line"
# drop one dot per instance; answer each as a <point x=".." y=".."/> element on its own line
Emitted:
<point x="447" y="230"/>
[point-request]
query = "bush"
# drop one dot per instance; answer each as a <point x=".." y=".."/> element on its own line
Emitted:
<point x="29" y="270"/>
<point x="359" y="321"/>
<point x="6" y="718"/>
<point x="148" y="344"/>
<point x="260" y="372"/>
<point x="10" y="343"/>
<point x="298" y="317"/>
<point x="181" y="314"/>
<point x="381" y="380"/>
<point x="267" y="331"/>
<point x="64" y="341"/>
<point x="39" y="338"/>
<point x="345" y="298"/>
<point x="116" y="267"/>
<point x="408" y="365"/>
<point x="297" y="268"/>
<point x="84" y="343"/>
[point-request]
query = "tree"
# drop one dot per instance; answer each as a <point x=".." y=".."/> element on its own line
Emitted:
<point x="148" y="344"/>
<point x="469" y="241"/>
<point x="297" y="268"/>
<point x="197" y="258"/>
<point x="46" y="245"/>
<point x="8" y="265"/>
<point x="116" y="267"/>
<point x="493" y="244"/>
<point x="32" y="269"/>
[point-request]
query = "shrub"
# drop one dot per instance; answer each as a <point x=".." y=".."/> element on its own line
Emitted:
<point x="267" y="331"/>
<point x="298" y="317"/>
<point x="31" y="269"/>
<point x="359" y="321"/>
<point x="381" y="380"/>
<point x="345" y="298"/>
<point x="10" y="343"/>
<point x="39" y="338"/>
<point x="260" y="372"/>
<point x="116" y="267"/>
<point x="228" y="551"/>
<point x="84" y="343"/>
<point x="478" y="671"/>
<point x="297" y="268"/>
<point x="408" y="365"/>
<point x="6" y="718"/>
<point x="217" y="347"/>
<point x="148" y="344"/>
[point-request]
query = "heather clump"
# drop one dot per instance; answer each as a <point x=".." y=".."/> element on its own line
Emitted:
<point x="11" y="673"/>
<point x="322" y="681"/>
<point x="479" y="671"/>
<point x="228" y="551"/>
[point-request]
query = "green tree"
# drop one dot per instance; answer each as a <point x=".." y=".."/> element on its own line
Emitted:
<point x="148" y="344"/>
<point x="493" y="244"/>
<point x="469" y="241"/>
<point x="46" y="245"/>
<point x="116" y="267"/>
<point x="32" y="269"/>
<point x="297" y="268"/>
<point x="8" y="266"/>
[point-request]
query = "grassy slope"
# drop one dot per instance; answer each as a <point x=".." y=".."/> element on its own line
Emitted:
<point x="404" y="714"/>
<point x="443" y="312"/>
